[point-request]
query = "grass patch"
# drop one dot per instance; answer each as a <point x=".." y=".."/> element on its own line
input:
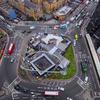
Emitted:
<point x="1" y="34"/>
<point x="71" y="70"/>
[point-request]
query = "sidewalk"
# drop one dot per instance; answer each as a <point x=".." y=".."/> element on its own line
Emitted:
<point x="87" y="95"/>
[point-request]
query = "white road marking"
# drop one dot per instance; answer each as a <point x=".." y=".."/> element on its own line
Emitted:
<point x="15" y="81"/>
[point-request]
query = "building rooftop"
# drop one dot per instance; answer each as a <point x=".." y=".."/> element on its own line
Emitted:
<point x="51" y="36"/>
<point x="29" y="5"/>
<point x="63" y="11"/>
<point x="42" y="64"/>
<point x="50" y="1"/>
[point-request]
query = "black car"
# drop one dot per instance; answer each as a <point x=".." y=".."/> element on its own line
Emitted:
<point x="21" y="89"/>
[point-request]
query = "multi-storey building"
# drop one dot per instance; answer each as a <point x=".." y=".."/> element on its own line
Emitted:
<point x="37" y="8"/>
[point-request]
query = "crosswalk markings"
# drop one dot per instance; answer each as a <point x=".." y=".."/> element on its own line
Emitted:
<point x="82" y="84"/>
<point x="16" y="81"/>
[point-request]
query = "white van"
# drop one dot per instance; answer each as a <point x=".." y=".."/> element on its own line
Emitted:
<point x="86" y="79"/>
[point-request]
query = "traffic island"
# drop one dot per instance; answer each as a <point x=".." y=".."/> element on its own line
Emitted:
<point x="70" y="71"/>
<point x="44" y="61"/>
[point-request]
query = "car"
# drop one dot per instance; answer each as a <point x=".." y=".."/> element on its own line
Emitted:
<point x="68" y="98"/>
<point x="16" y="20"/>
<point x="61" y="88"/>
<point x="28" y="61"/>
<point x="67" y="22"/>
<point x="32" y="27"/>
<point x="78" y="16"/>
<point x="22" y="89"/>
<point x="17" y="87"/>
<point x="63" y="26"/>
<point x="56" y="27"/>
<point x="10" y="27"/>
<point x="12" y="60"/>
<point x="29" y="31"/>
<point x="2" y="18"/>
<point x="74" y="43"/>
<point x="72" y="18"/>
<point x="45" y="33"/>
<point x="23" y="31"/>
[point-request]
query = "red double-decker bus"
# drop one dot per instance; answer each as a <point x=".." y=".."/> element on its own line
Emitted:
<point x="10" y="49"/>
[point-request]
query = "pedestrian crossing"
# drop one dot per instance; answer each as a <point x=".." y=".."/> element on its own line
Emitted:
<point x="82" y="84"/>
<point x="11" y="86"/>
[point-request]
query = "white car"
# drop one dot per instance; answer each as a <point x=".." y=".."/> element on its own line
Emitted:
<point x="9" y="27"/>
<point x="32" y="27"/>
<point x="74" y="43"/>
<point x="16" y="20"/>
<point x="68" y="98"/>
<point x="1" y="17"/>
<point x="72" y="18"/>
<point x="56" y="27"/>
<point x="61" y="88"/>
<point x="87" y="2"/>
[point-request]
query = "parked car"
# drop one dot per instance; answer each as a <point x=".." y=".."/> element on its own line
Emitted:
<point x="32" y="27"/>
<point x="12" y="60"/>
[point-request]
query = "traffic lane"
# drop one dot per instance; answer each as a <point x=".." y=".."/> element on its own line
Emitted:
<point x="71" y="90"/>
<point x="32" y="86"/>
<point x="10" y="69"/>
<point x="2" y="72"/>
<point x="20" y="96"/>
<point x="93" y="79"/>
<point x="91" y="74"/>
<point x="39" y="93"/>
<point x="17" y="43"/>
<point x="6" y="97"/>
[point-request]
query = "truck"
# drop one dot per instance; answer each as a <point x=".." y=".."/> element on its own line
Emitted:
<point x="11" y="48"/>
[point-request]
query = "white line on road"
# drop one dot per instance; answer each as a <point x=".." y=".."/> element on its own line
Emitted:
<point x="14" y="82"/>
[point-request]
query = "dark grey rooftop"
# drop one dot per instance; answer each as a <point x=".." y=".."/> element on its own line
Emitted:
<point x="29" y="4"/>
